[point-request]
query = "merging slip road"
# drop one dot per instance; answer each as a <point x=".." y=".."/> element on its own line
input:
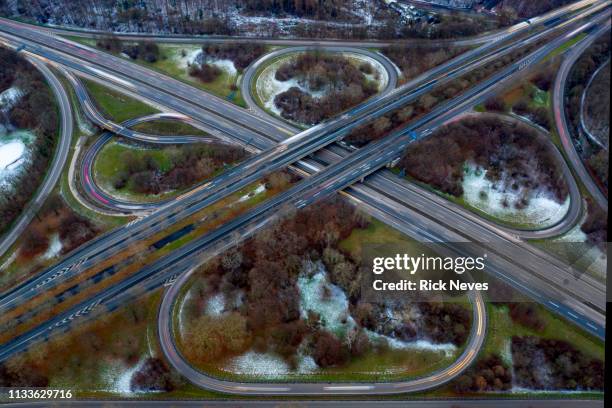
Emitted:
<point x="57" y="164"/>
<point x="562" y="122"/>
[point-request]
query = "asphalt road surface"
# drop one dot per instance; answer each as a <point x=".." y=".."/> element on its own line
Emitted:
<point x="562" y="122"/>
<point x="335" y="177"/>
<point x="57" y="164"/>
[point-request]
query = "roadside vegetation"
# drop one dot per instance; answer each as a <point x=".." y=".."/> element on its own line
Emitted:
<point x="530" y="349"/>
<point x="291" y="295"/>
<point x="531" y="100"/>
<point x="168" y="127"/>
<point x="337" y="83"/>
<point x="56" y="230"/>
<point x="399" y="118"/>
<point x="35" y="111"/>
<point x="215" y="68"/>
<point x="117" y="354"/>
<point x="515" y="158"/>
<point x="115" y="105"/>
<point x="145" y="171"/>
<point x="595" y="157"/>
<point x="414" y="60"/>
<point x="134" y="257"/>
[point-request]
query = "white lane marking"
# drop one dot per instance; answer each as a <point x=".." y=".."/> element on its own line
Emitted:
<point x="349" y="388"/>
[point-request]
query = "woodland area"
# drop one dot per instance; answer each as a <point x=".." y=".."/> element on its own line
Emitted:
<point x="400" y="118"/>
<point x="36" y="111"/>
<point x="554" y="364"/>
<point x="84" y="354"/>
<point x="414" y="60"/>
<point x="189" y="164"/>
<point x="513" y="155"/>
<point x="348" y="19"/>
<point x="241" y="54"/>
<point x="344" y="85"/>
<point x="144" y="50"/>
<point x="529" y="8"/>
<point x="596" y="106"/>
<point x="596" y="225"/>
<point x="73" y="229"/>
<point x="596" y="158"/>
<point x="263" y="274"/>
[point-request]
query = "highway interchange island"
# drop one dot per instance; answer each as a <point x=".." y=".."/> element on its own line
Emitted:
<point x="278" y="203"/>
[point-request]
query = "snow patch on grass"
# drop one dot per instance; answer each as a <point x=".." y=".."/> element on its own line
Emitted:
<point x="185" y="56"/>
<point x="267" y="87"/>
<point x="215" y="306"/>
<point x="260" y="189"/>
<point x="9" y="97"/>
<point x="55" y="246"/>
<point x="269" y="365"/>
<point x="119" y="377"/>
<point x="319" y="295"/>
<point x="189" y="55"/>
<point x="541" y="212"/>
<point x="14" y="153"/>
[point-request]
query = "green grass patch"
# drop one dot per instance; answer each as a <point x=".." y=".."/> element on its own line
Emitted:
<point x="109" y="162"/>
<point x="115" y="105"/>
<point x="565" y="46"/>
<point x="376" y="233"/>
<point x="169" y="127"/>
<point x="501" y="328"/>
<point x="171" y="63"/>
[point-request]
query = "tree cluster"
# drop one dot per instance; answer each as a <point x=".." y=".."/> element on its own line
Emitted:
<point x="36" y="111"/>
<point x="597" y="54"/>
<point x="241" y="54"/>
<point x="526" y="314"/>
<point x="399" y="118"/>
<point x="152" y="376"/>
<point x="489" y="374"/>
<point x="596" y="225"/>
<point x="206" y="72"/>
<point x="344" y="85"/>
<point x="21" y="376"/>
<point x="265" y="268"/>
<point x="317" y="9"/>
<point x="145" y="50"/>
<point x="143" y="174"/>
<point x="500" y="148"/>
<point x="554" y="364"/>
<point x="528" y="9"/>
<point x="414" y="60"/>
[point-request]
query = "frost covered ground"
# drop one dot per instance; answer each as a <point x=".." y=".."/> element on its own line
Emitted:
<point x="267" y="86"/>
<point x="14" y="153"/>
<point x="193" y="55"/>
<point x="55" y="246"/>
<point x="317" y="294"/>
<point x="258" y="190"/>
<point x="541" y="212"/>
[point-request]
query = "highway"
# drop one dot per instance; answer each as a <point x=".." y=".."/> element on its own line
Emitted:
<point x="260" y="162"/>
<point x="62" y="271"/>
<point x="562" y="124"/>
<point x="57" y="164"/>
<point x="333" y="178"/>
